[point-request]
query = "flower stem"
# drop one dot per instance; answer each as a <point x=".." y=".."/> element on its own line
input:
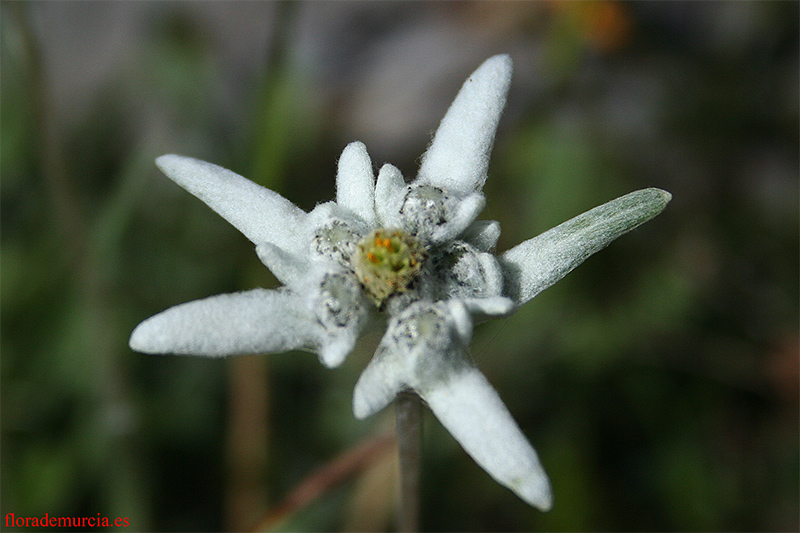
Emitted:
<point x="408" y="409"/>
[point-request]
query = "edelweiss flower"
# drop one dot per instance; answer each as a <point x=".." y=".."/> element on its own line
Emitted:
<point x="411" y="253"/>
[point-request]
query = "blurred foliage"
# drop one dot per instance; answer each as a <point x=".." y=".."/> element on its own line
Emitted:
<point x="659" y="381"/>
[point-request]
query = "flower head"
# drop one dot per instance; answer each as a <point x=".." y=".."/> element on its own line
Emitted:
<point x="412" y="252"/>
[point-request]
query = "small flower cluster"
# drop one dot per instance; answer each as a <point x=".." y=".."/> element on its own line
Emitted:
<point x="411" y="255"/>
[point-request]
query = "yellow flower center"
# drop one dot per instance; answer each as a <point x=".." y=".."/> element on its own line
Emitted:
<point x="386" y="262"/>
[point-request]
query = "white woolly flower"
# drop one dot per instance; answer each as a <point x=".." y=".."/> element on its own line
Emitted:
<point x="412" y="252"/>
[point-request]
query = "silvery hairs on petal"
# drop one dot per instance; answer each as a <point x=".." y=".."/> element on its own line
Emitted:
<point x="458" y="156"/>
<point x="256" y="321"/>
<point x="538" y="263"/>
<point x="259" y="213"/>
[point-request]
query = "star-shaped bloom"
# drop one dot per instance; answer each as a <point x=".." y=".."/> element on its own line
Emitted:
<point x="411" y="256"/>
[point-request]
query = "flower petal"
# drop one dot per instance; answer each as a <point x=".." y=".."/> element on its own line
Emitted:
<point x="423" y="344"/>
<point x="471" y="410"/>
<point x="287" y="267"/>
<point x="482" y="234"/>
<point x="458" y="157"/>
<point x="355" y="182"/>
<point x="339" y="309"/>
<point x="256" y="321"/>
<point x="423" y="349"/>
<point x="259" y="213"/>
<point x="332" y="233"/>
<point x="538" y="263"/>
<point x="379" y="383"/>
<point x="462" y="213"/>
<point x="389" y="191"/>
<point x="436" y="216"/>
<point x="462" y="271"/>
<point x="493" y="306"/>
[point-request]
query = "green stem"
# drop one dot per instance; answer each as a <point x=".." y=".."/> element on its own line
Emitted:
<point x="408" y="409"/>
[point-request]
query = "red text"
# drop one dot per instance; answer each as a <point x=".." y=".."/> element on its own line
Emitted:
<point x="66" y="521"/>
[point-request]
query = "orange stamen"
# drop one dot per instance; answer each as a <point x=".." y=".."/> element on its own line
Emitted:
<point x="372" y="257"/>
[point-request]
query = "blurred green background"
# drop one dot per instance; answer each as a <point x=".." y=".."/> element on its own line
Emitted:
<point x="659" y="381"/>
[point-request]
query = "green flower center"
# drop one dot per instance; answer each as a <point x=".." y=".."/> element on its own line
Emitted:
<point x="386" y="262"/>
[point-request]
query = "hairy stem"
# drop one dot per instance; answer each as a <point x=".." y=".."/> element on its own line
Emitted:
<point x="408" y="409"/>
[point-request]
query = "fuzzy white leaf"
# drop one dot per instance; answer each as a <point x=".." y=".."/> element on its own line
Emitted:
<point x="458" y="157"/>
<point x="470" y="409"/>
<point x="257" y="321"/>
<point x="378" y="384"/>
<point x="355" y="182"/>
<point x="288" y="268"/>
<point x="388" y="195"/>
<point x="538" y="263"/>
<point x="423" y="343"/>
<point x="259" y="213"/>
